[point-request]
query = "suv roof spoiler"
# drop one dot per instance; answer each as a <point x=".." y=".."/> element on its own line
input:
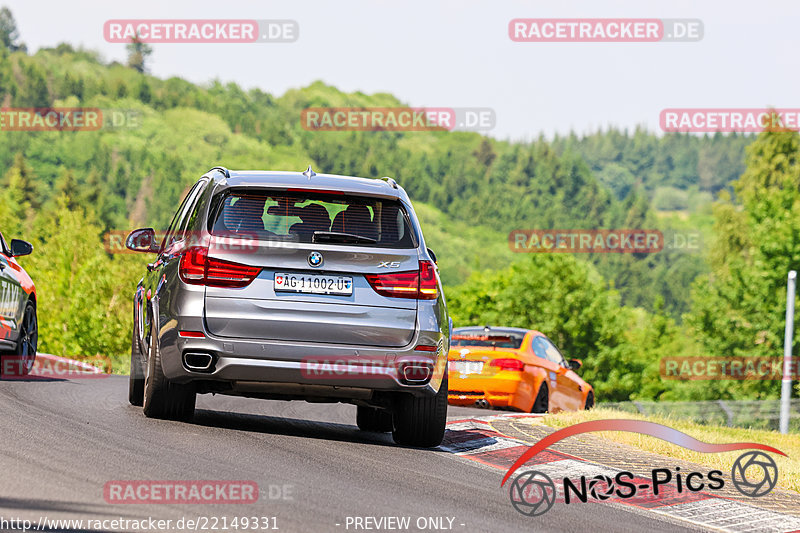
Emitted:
<point x="225" y="171"/>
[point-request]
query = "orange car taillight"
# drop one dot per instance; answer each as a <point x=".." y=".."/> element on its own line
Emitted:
<point x="508" y="364"/>
<point x="196" y="268"/>
<point x="418" y="284"/>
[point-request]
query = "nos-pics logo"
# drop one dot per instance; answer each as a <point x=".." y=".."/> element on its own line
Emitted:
<point x="533" y="493"/>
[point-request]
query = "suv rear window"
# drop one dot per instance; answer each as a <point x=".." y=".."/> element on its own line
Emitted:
<point x="481" y="337"/>
<point x="311" y="217"/>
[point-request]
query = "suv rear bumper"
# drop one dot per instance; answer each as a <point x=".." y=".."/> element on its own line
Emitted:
<point x="256" y="367"/>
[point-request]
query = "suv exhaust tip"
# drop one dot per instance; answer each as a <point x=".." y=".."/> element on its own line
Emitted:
<point x="416" y="373"/>
<point x="198" y="361"/>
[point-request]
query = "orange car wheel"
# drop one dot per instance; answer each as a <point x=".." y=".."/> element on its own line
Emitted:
<point x="541" y="404"/>
<point x="589" y="401"/>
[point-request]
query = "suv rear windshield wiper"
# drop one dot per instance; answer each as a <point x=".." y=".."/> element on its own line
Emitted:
<point x="345" y="238"/>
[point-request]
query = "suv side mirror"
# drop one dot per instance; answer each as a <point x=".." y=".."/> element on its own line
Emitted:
<point x="19" y="248"/>
<point x="142" y="240"/>
<point x="575" y="364"/>
<point x="433" y="256"/>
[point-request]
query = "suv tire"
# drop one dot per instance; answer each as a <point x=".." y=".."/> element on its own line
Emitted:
<point x="162" y="398"/>
<point x="23" y="356"/>
<point x="421" y="421"/>
<point x="136" y="379"/>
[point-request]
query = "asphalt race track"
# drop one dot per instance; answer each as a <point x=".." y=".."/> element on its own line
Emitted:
<point x="63" y="440"/>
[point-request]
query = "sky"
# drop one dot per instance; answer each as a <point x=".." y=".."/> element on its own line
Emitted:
<point x="459" y="54"/>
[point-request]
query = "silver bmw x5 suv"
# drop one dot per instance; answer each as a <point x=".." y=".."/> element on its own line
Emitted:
<point x="294" y="286"/>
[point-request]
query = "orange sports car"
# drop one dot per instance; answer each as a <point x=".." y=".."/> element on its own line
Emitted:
<point x="516" y="369"/>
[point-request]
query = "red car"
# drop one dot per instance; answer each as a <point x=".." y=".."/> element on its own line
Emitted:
<point x="19" y="331"/>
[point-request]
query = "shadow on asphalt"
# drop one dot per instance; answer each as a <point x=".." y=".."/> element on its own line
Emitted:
<point x="294" y="428"/>
<point x="49" y="505"/>
<point x="9" y="505"/>
<point x="31" y="378"/>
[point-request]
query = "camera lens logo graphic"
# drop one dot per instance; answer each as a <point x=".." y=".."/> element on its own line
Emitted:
<point x="601" y="487"/>
<point x="532" y="493"/>
<point x="754" y="474"/>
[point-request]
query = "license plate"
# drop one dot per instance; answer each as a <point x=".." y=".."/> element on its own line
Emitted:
<point x="313" y="283"/>
<point x="467" y="367"/>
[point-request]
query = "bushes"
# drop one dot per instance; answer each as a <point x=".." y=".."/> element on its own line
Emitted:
<point x="569" y="302"/>
<point x="84" y="294"/>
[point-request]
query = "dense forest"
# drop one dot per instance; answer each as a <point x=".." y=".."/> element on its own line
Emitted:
<point x="63" y="190"/>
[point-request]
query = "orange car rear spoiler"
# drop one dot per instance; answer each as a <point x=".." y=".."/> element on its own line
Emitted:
<point x="492" y="338"/>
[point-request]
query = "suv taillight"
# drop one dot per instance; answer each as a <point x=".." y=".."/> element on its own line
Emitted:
<point x="428" y="289"/>
<point x="196" y="268"/>
<point x="418" y="284"/>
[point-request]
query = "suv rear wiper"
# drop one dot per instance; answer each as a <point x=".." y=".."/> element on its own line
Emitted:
<point x="346" y="238"/>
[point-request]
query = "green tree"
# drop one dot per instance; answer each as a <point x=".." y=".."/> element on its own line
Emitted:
<point x="66" y="188"/>
<point x="33" y="91"/>
<point x="15" y="210"/>
<point x="21" y="177"/>
<point x="143" y="91"/>
<point x="138" y="54"/>
<point x="739" y="308"/>
<point x="9" y="35"/>
<point x="568" y="301"/>
<point x="84" y="294"/>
